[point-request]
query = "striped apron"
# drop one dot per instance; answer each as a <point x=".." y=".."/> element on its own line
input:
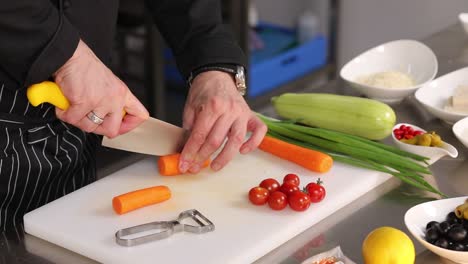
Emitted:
<point x="41" y="157"/>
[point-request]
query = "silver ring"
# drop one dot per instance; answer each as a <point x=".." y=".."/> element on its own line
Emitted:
<point x="95" y="118"/>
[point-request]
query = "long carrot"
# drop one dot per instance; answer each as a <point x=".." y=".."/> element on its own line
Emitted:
<point x="169" y="165"/>
<point x="307" y="158"/>
<point x="136" y="199"/>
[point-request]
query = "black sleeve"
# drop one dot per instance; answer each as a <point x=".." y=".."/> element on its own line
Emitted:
<point x="35" y="40"/>
<point x="195" y="33"/>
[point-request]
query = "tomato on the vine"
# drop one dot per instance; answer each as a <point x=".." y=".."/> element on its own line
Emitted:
<point x="316" y="191"/>
<point x="277" y="200"/>
<point x="270" y="184"/>
<point x="288" y="188"/>
<point x="258" y="195"/>
<point x="292" y="178"/>
<point x="299" y="201"/>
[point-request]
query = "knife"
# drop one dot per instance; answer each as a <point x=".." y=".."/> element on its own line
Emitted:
<point x="152" y="137"/>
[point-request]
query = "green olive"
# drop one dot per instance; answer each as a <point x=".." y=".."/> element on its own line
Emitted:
<point x="411" y="141"/>
<point x="436" y="140"/>
<point x="425" y="140"/>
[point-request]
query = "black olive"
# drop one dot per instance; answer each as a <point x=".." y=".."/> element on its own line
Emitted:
<point x="444" y="227"/>
<point x="452" y="218"/>
<point x="457" y="247"/>
<point x="456" y="233"/>
<point x="442" y="242"/>
<point x="432" y="234"/>
<point x="431" y="224"/>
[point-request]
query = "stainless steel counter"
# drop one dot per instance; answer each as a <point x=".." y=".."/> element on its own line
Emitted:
<point x="349" y="226"/>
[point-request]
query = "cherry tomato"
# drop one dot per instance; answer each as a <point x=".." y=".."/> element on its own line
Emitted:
<point x="277" y="200"/>
<point x="316" y="191"/>
<point x="270" y="184"/>
<point x="299" y="201"/>
<point x="258" y="195"/>
<point x="288" y="188"/>
<point x="293" y="178"/>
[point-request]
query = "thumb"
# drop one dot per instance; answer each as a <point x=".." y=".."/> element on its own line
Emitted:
<point x="135" y="108"/>
<point x="135" y="114"/>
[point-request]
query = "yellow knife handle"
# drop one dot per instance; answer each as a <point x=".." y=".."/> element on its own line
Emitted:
<point x="47" y="92"/>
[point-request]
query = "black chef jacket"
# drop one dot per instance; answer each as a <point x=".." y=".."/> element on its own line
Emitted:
<point x="36" y="38"/>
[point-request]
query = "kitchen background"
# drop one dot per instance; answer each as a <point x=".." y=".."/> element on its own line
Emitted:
<point x="337" y="31"/>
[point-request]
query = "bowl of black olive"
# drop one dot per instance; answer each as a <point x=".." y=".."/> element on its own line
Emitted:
<point x="442" y="227"/>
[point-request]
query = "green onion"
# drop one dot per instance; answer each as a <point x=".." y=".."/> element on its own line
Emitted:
<point x="355" y="151"/>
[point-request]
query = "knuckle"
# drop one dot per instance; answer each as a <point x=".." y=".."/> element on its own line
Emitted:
<point x="237" y="139"/>
<point x="262" y="128"/>
<point x="198" y="137"/>
<point x="216" y="103"/>
<point x="214" y="142"/>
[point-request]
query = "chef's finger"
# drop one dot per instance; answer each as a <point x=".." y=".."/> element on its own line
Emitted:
<point x="135" y="114"/>
<point x="235" y="139"/>
<point x="111" y="125"/>
<point x="74" y="114"/>
<point x="130" y="122"/>
<point x="86" y="124"/>
<point x="203" y="123"/>
<point x="134" y="107"/>
<point x="212" y="143"/>
<point x="258" y="129"/>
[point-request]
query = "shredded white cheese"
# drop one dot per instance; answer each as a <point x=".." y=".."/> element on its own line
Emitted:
<point x="387" y="79"/>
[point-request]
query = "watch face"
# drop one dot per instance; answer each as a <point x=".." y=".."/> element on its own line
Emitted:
<point x="240" y="80"/>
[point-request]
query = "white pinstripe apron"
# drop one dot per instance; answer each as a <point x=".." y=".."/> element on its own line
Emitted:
<point x="41" y="158"/>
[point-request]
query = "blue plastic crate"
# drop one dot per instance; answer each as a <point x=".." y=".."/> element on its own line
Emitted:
<point x="286" y="61"/>
<point x="280" y="61"/>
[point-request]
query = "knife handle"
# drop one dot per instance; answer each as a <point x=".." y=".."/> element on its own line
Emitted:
<point x="49" y="92"/>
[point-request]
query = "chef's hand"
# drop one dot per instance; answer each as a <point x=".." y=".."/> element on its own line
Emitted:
<point x="213" y="112"/>
<point x="90" y="86"/>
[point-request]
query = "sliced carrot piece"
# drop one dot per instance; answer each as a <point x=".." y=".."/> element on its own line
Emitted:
<point x="169" y="165"/>
<point x="136" y="199"/>
<point x="307" y="158"/>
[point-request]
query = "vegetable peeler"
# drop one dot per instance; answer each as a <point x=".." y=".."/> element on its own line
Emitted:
<point x="167" y="228"/>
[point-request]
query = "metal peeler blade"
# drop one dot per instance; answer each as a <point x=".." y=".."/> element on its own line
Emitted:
<point x="167" y="228"/>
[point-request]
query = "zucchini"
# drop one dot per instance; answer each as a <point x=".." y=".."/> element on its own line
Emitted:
<point x="358" y="116"/>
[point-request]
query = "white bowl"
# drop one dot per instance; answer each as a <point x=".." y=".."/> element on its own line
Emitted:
<point x="463" y="18"/>
<point x="433" y="153"/>
<point x="417" y="217"/>
<point x="434" y="96"/>
<point x="406" y="56"/>
<point x="460" y="129"/>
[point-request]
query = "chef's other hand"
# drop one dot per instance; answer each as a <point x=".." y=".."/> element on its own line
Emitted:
<point x="213" y="112"/>
<point x="91" y="87"/>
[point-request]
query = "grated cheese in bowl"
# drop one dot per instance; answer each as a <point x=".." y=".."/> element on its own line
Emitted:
<point x="387" y="79"/>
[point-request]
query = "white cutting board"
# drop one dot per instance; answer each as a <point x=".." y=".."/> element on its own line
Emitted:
<point x="84" y="221"/>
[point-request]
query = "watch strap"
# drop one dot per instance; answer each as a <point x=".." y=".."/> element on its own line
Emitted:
<point x="237" y="71"/>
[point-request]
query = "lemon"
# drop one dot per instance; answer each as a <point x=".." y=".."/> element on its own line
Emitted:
<point x="388" y="245"/>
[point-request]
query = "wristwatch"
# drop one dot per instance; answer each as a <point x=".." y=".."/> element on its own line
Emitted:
<point x="237" y="71"/>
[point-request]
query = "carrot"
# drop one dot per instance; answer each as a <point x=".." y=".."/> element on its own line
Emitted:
<point x="307" y="158"/>
<point x="136" y="199"/>
<point x="169" y="165"/>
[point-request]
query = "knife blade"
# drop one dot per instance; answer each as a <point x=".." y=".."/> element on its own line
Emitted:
<point x="152" y="137"/>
